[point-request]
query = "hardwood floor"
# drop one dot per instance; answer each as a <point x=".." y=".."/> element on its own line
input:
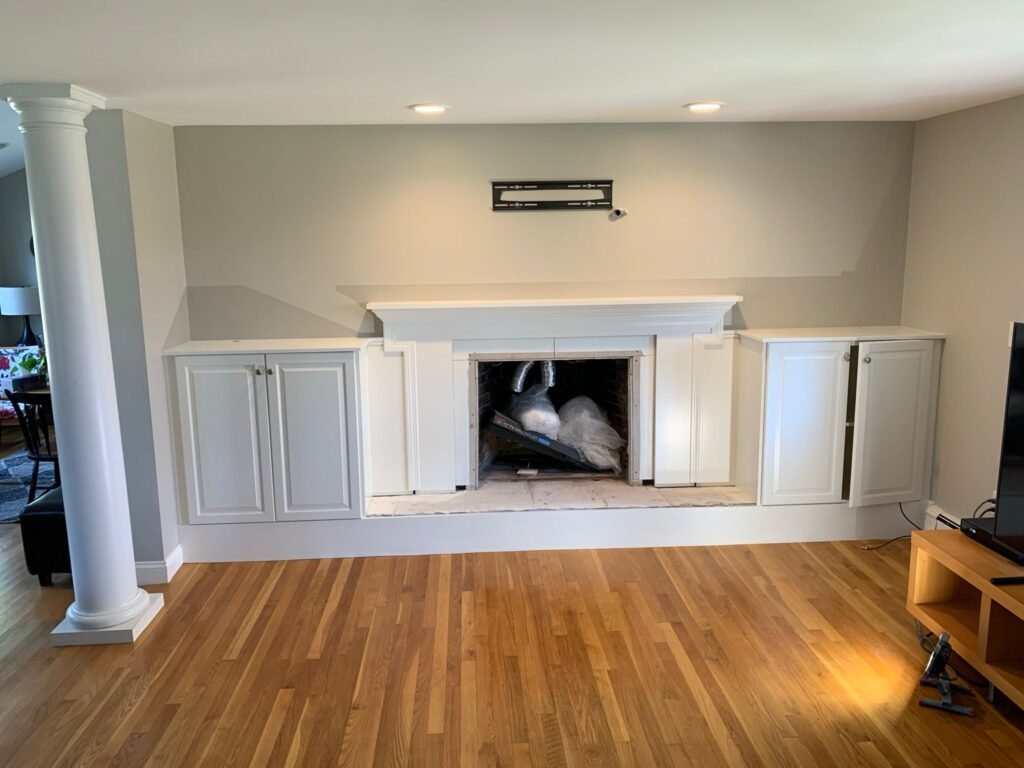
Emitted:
<point x="782" y="655"/>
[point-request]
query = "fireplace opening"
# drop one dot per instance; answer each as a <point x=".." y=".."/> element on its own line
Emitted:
<point x="577" y="446"/>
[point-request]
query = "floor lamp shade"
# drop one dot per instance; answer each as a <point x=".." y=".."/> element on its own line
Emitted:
<point x="21" y="302"/>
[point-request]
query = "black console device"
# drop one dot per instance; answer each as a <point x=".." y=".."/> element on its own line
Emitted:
<point x="982" y="530"/>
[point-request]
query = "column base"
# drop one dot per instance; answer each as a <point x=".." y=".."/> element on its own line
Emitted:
<point x="128" y="632"/>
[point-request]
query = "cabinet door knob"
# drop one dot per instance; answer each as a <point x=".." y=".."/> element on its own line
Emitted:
<point x="846" y="357"/>
<point x="259" y="371"/>
<point x="270" y="371"/>
<point x="867" y="359"/>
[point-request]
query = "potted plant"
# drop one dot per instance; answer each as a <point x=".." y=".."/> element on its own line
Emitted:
<point x="29" y="372"/>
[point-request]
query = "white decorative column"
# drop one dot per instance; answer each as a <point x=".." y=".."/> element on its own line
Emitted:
<point x="109" y="607"/>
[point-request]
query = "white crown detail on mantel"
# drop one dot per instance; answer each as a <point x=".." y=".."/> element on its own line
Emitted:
<point x="535" y="318"/>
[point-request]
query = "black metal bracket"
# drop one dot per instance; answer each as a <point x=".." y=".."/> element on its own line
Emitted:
<point x="589" y="195"/>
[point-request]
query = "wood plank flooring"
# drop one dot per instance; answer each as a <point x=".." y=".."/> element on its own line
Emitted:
<point x="781" y="655"/>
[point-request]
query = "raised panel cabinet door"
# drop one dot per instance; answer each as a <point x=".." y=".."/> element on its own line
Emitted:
<point x="314" y="429"/>
<point x="806" y="390"/>
<point x="891" y="421"/>
<point x="225" y="438"/>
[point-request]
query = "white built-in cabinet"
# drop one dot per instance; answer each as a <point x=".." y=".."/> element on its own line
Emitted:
<point x="892" y="421"/>
<point x="841" y="419"/>
<point x="270" y="437"/>
<point x="805" y="422"/>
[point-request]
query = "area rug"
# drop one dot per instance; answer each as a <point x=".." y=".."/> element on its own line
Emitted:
<point x="15" y="479"/>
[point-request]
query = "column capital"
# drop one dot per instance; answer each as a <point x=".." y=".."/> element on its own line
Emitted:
<point x="51" y="105"/>
<point x="12" y="92"/>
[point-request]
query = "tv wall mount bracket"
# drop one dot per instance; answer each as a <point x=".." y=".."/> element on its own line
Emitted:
<point x="588" y="195"/>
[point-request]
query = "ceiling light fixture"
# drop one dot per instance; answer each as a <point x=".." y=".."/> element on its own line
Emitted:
<point x="704" y="107"/>
<point x="429" y="109"/>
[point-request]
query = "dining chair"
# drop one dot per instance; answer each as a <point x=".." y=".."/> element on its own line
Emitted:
<point x="34" y="411"/>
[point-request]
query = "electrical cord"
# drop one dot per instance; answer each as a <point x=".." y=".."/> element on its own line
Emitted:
<point x="886" y="544"/>
<point x="982" y="504"/>
<point x="875" y="547"/>
<point x="916" y="526"/>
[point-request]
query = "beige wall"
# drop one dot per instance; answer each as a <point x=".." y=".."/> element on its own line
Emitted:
<point x="288" y="231"/>
<point x="152" y="175"/>
<point x="131" y="160"/>
<point x="965" y="276"/>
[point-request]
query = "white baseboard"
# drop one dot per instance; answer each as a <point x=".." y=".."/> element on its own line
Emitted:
<point x="931" y="518"/>
<point x="159" y="571"/>
<point x="540" y="529"/>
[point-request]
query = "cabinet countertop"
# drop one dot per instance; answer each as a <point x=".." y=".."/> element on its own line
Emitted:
<point x="269" y="346"/>
<point x="843" y="333"/>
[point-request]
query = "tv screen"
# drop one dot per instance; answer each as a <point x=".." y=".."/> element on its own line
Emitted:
<point x="1010" y="493"/>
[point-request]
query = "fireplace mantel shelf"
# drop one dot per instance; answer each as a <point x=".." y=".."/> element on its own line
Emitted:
<point x="385" y="306"/>
<point x="533" y="318"/>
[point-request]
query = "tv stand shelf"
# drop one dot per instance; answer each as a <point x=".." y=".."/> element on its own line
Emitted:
<point x="950" y="590"/>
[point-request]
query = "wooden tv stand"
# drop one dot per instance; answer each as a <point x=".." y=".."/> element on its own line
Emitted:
<point x="950" y="591"/>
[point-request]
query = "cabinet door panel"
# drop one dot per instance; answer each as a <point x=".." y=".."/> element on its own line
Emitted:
<point x="314" y="425"/>
<point x="225" y="438"/>
<point x="890" y="433"/>
<point x="805" y="422"/>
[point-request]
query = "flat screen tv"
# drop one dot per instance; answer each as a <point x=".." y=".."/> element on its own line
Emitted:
<point x="1009" y="526"/>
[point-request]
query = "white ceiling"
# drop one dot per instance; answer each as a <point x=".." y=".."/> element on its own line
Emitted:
<point x="12" y="158"/>
<point x="337" y="61"/>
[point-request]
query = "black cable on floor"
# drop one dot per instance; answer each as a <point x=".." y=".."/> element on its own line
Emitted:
<point x="886" y="544"/>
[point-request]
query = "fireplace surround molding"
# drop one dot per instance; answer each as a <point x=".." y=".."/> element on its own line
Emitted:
<point x="533" y="318"/>
<point x="434" y="340"/>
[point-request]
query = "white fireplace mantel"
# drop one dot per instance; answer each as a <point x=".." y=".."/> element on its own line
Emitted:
<point x="531" y="318"/>
<point x="437" y="439"/>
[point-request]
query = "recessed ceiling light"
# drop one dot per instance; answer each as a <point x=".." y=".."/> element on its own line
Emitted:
<point x="429" y="109"/>
<point x="703" y="107"/>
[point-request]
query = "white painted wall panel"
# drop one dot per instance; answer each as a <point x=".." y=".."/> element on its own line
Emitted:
<point x="748" y="424"/>
<point x="464" y="348"/>
<point x="566" y="347"/>
<point x="387" y="428"/>
<point x="713" y="356"/>
<point x="435" y="427"/>
<point x="673" y="404"/>
<point x="465" y="442"/>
